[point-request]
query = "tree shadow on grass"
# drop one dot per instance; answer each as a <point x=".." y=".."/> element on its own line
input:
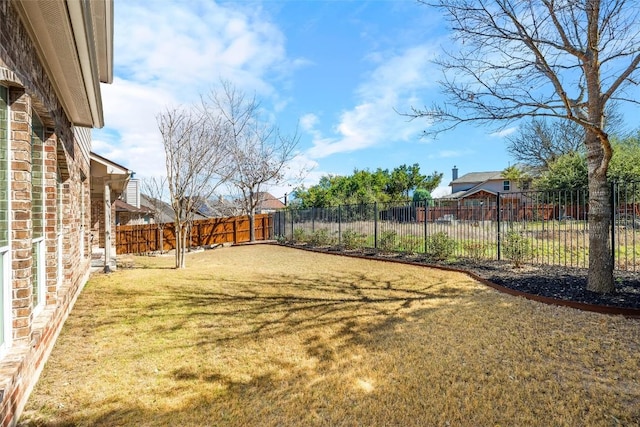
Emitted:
<point x="293" y="303"/>
<point x="332" y="316"/>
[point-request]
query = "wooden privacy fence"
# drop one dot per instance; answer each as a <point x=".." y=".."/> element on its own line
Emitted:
<point x="136" y="239"/>
<point x="541" y="212"/>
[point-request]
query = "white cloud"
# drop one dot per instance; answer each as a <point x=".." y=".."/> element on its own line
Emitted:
<point x="394" y="84"/>
<point x="504" y="132"/>
<point x="170" y="58"/>
<point x="308" y="122"/>
<point x="441" y="191"/>
<point x="132" y="137"/>
<point x="447" y="154"/>
<point x="191" y="44"/>
<point x="300" y="171"/>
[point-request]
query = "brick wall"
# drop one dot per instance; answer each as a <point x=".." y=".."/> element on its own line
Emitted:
<point x="20" y="137"/>
<point x="33" y="336"/>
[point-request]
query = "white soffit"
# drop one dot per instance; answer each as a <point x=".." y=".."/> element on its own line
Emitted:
<point x="64" y="34"/>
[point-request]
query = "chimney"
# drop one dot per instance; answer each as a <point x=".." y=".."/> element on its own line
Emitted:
<point x="454" y="173"/>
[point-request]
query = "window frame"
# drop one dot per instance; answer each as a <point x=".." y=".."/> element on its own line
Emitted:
<point x="38" y="267"/>
<point x="5" y="247"/>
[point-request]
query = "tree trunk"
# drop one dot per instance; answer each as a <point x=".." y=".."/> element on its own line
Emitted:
<point x="161" y="239"/>
<point x="252" y="225"/>
<point x="600" y="278"/>
<point x="183" y="248"/>
<point x="179" y="254"/>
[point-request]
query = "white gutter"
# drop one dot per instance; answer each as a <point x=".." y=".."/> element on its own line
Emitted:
<point x="82" y="27"/>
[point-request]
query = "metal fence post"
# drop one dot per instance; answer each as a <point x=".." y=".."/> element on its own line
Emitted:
<point x="498" y="218"/>
<point x="375" y="225"/>
<point x="339" y="224"/>
<point x="292" y="224"/>
<point x="425" y="226"/>
<point x="613" y="222"/>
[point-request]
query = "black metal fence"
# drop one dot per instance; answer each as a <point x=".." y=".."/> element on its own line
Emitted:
<point x="548" y="228"/>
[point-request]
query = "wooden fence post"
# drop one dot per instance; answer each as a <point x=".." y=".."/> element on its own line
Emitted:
<point x="264" y="228"/>
<point x="235" y="231"/>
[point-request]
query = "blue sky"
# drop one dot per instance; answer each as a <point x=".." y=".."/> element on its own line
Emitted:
<point x="338" y="69"/>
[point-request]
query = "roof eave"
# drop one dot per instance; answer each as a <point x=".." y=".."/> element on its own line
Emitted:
<point x="74" y="41"/>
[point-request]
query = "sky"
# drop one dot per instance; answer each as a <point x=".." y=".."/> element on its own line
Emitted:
<point x="338" y="71"/>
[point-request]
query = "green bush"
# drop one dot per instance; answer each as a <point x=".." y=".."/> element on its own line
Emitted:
<point x="412" y="244"/>
<point x="320" y="237"/>
<point x="440" y="246"/>
<point x="299" y="235"/>
<point x="353" y="240"/>
<point x="387" y="240"/>
<point x="516" y="248"/>
<point x="477" y="251"/>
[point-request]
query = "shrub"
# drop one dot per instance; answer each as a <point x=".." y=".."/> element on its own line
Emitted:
<point x="353" y="240"/>
<point x="320" y="237"/>
<point x="412" y="244"/>
<point x="477" y="251"/>
<point x="387" y="241"/>
<point x="516" y="248"/>
<point x="440" y="246"/>
<point x="299" y="235"/>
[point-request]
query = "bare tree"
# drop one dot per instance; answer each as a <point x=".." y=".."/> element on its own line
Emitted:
<point x="258" y="150"/>
<point x="544" y="58"/>
<point x="155" y="189"/>
<point x="540" y="142"/>
<point x="197" y="163"/>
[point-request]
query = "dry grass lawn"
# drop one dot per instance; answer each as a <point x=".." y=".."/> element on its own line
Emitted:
<point x="273" y="336"/>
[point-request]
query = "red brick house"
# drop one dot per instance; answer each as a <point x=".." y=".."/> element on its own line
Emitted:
<point x="53" y="56"/>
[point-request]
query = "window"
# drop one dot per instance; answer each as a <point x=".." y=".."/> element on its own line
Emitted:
<point x="506" y="185"/>
<point x="5" y="260"/>
<point x="37" y="213"/>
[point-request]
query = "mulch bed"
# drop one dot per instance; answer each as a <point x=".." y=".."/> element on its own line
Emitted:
<point x="562" y="284"/>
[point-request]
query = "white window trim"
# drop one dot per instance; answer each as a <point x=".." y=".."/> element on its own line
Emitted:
<point x="42" y="286"/>
<point x="5" y="253"/>
<point x="39" y="241"/>
<point x="59" y="270"/>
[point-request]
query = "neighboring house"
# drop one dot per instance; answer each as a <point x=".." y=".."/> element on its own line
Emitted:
<point x="53" y="56"/>
<point x="129" y="210"/>
<point x="268" y="203"/>
<point x="220" y="208"/>
<point x="127" y="214"/>
<point x="474" y="197"/>
<point x="161" y="212"/>
<point x="481" y="188"/>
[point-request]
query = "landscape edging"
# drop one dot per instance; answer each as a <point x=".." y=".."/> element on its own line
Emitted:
<point x="602" y="309"/>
